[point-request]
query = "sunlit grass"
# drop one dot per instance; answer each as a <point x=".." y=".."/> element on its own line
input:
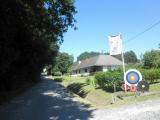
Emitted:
<point x="155" y="87"/>
<point x="102" y="99"/>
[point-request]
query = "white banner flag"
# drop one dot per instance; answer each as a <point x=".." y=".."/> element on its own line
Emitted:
<point x="115" y="43"/>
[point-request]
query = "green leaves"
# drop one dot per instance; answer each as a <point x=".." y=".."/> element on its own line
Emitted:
<point x="130" y="57"/>
<point x="151" y="59"/>
<point x="108" y="79"/>
<point x="31" y="33"/>
<point x="86" y="55"/>
<point x="150" y="75"/>
<point x="64" y="62"/>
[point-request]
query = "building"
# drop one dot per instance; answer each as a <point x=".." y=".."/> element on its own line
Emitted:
<point x="95" y="64"/>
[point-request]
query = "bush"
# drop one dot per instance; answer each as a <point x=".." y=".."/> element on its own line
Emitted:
<point x="58" y="79"/>
<point x="150" y="75"/>
<point x="108" y="79"/>
<point x="101" y="79"/>
<point x="91" y="81"/>
<point x="57" y="74"/>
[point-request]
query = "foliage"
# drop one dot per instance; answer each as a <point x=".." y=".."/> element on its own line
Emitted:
<point x="86" y="55"/>
<point x="31" y="32"/>
<point x="109" y="79"/>
<point x="130" y="57"/>
<point x="151" y="59"/>
<point x="91" y="81"/>
<point x="99" y="97"/>
<point x="64" y="62"/>
<point x="57" y="73"/>
<point x="101" y="79"/>
<point x="150" y="75"/>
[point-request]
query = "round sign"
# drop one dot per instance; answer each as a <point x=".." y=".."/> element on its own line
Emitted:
<point x="133" y="88"/>
<point x="133" y="77"/>
<point x="143" y="86"/>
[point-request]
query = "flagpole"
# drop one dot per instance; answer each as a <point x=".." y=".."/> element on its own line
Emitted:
<point x="123" y="67"/>
<point x="116" y="48"/>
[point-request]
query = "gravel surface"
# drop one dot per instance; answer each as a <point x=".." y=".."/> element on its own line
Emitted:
<point x="148" y="110"/>
<point x="48" y="100"/>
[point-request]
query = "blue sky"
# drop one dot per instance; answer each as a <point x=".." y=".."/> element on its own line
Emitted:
<point x="97" y="19"/>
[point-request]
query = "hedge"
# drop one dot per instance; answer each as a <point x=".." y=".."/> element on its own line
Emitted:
<point x="108" y="79"/>
<point x="150" y="75"/>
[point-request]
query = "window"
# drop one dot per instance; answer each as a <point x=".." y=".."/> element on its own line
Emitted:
<point x="85" y="70"/>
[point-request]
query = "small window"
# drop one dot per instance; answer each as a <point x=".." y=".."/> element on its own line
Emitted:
<point x="85" y="70"/>
<point x="79" y="71"/>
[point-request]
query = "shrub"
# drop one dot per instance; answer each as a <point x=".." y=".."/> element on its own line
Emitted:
<point x="57" y="73"/>
<point x="101" y="79"/>
<point x="107" y="80"/>
<point x="91" y="81"/>
<point x="150" y="75"/>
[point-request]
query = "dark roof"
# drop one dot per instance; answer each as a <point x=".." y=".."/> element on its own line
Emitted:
<point x="100" y="60"/>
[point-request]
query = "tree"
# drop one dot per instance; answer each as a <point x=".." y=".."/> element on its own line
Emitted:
<point x="31" y="33"/>
<point x="64" y="62"/>
<point x="86" y="55"/>
<point x="151" y="59"/>
<point x="130" y="57"/>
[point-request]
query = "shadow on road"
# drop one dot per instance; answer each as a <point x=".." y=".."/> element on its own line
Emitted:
<point x="46" y="101"/>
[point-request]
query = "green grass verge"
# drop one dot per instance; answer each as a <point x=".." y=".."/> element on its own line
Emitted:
<point x="155" y="87"/>
<point x="102" y="99"/>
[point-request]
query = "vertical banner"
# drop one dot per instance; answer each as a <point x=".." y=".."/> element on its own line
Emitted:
<point x="115" y="44"/>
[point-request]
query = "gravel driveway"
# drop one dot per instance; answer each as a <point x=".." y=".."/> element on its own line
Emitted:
<point x="48" y="100"/>
<point x="148" y="110"/>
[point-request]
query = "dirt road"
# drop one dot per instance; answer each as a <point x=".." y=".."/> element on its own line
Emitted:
<point x="48" y="100"/>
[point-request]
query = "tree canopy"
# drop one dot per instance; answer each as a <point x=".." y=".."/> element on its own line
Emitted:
<point x="151" y="59"/>
<point x="64" y="63"/>
<point x="86" y="55"/>
<point x="130" y="57"/>
<point x="31" y="32"/>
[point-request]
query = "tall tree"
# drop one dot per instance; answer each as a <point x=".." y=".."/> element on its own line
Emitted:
<point x="31" y="32"/>
<point x="64" y="61"/>
<point x="151" y="59"/>
<point x="130" y="57"/>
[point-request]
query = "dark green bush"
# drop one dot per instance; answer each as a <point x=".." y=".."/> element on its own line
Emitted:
<point x="101" y="79"/>
<point x="108" y="79"/>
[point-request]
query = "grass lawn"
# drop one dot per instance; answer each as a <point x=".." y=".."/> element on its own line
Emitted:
<point x="102" y="99"/>
<point x="155" y="87"/>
